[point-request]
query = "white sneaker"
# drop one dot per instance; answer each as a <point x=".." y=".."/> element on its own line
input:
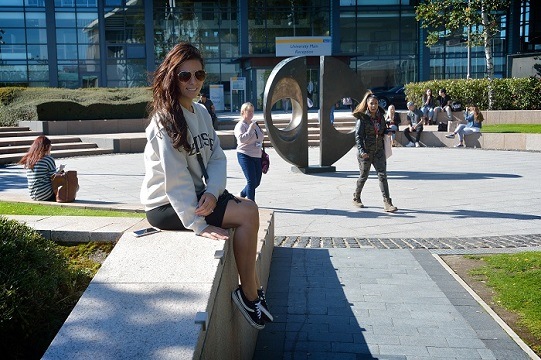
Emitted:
<point x="410" y="144"/>
<point x="417" y="144"/>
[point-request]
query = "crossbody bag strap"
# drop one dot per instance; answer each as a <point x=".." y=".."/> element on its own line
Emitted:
<point x="199" y="156"/>
<point x="263" y="137"/>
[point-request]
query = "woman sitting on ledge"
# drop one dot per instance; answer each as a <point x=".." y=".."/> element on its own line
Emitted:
<point x="185" y="175"/>
<point x="474" y="119"/>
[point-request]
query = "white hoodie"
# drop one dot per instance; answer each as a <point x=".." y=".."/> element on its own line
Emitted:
<point x="174" y="176"/>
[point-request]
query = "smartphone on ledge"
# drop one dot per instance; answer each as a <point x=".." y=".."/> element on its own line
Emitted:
<point x="147" y="231"/>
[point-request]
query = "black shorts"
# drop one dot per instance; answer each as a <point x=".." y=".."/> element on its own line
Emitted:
<point x="165" y="217"/>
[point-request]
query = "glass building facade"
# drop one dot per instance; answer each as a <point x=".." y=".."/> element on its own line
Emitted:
<point x="118" y="43"/>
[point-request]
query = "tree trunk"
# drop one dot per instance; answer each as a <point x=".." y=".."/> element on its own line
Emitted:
<point x="488" y="54"/>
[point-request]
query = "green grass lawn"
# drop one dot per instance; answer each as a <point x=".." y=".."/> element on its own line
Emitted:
<point x="512" y="128"/>
<point x="14" y="208"/>
<point x="516" y="278"/>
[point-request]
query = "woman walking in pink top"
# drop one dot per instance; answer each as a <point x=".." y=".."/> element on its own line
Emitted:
<point x="249" y="143"/>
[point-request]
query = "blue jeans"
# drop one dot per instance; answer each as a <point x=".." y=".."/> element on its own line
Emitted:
<point x="251" y="167"/>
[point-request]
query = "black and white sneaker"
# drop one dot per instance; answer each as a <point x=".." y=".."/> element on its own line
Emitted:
<point x="266" y="315"/>
<point x="251" y="310"/>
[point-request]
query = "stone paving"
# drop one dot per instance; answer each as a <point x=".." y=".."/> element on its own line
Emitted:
<point x="471" y="243"/>
<point x="349" y="283"/>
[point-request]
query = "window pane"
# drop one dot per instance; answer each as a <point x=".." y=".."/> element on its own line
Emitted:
<point x="38" y="73"/>
<point x="13" y="36"/>
<point x="37" y="52"/>
<point x="36" y="36"/>
<point x="66" y="52"/>
<point x="89" y="52"/>
<point x="64" y="3"/>
<point x="65" y="19"/>
<point x="13" y="52"/>
<point x="11" y="19"/>
<point x="86" y="36"/>
<point x="89" y="19"/>
<point x="12" y="3"/>
<point x="66" y="36"/>
<point x="35" y="3"/>
<point x="13" y="73"/>
<point x="135" y="51"/>
<point x="86" y="3"/>
<point x="35" y="19"/>
<point x="68" y="72"/>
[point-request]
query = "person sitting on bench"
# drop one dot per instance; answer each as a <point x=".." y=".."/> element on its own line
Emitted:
<point x="474" y="117"/>
<point x="415" y="125"/>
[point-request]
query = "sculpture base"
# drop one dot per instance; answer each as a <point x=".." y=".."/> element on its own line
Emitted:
<point x="314" y="169"/>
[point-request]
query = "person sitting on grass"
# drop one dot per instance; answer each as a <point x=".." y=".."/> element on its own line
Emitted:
<point x="40" y="167"/>
<point x="474" y="119"/>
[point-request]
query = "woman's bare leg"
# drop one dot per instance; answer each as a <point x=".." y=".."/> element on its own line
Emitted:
<point x="244" y="216"/>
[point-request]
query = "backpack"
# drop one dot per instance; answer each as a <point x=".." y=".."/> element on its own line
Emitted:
<point x="442" y="126"/>
<point x="456" y="106"/>
<point x="65" y="186"/>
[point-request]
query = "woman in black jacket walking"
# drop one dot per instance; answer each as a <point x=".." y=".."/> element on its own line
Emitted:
<point x="369" y="131"/>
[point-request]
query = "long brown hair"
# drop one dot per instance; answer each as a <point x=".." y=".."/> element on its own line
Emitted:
<point x="166" y="93"/>
<point x="40" y="147"/>
<point x="363" y="105"/>
<point x="477" y="115"/>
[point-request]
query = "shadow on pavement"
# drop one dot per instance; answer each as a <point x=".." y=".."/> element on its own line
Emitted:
<point x="366" y="213"/>
<point x="422" y="175"/>
<point x="312" y="316"/>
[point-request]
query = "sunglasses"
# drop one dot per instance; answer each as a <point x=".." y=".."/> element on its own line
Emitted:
<point x="185" y="76"/>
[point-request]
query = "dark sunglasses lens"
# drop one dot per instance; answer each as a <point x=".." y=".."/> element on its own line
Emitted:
<point x="200" y="75"/>
<point x="184" y="76"/>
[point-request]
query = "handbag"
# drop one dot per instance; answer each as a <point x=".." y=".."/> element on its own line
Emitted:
<point x="65" y="186"/>
<point x="456" y="106"/>
<point x="388" y="146"/>
<point x="265" y="161"/>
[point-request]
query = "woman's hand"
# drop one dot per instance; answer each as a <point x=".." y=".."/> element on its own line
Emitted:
<point x="215" y="233"/>
<point x="206" y="205"/>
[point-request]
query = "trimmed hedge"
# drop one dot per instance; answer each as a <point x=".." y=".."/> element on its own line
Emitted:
<point x="37" y="289"/>
<point x="70" y="110"/>
<point x="508" y="94"/>
<point x="18" y="104"/>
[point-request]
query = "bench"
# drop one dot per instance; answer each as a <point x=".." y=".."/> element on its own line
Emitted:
<point x="164" y="296"/>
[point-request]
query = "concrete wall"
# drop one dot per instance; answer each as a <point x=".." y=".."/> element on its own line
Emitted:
<point x="512" y="117"/>
<point x="81" y="127"/>
<point x="147" y="298"/>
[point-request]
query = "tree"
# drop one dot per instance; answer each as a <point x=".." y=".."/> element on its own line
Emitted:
<point x="474" y="20"/>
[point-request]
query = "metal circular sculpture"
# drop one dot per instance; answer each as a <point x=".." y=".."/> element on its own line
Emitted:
<point x="288" y="81"/>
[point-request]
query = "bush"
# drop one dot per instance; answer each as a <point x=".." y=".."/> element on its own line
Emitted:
<point x="508" y="94"/>
<point x="18" y="104"/>
<point x="70" y="110"/>
<point x="38" y="289"/>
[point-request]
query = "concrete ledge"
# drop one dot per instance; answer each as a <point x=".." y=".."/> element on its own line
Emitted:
<point x="492" y="141"/>
<point x="144" y="301"/>
<point x="77" y="228"/>
<point x="135" y="142"/>
<point x="81" y="127"/>
<point x="494" y="117"/>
